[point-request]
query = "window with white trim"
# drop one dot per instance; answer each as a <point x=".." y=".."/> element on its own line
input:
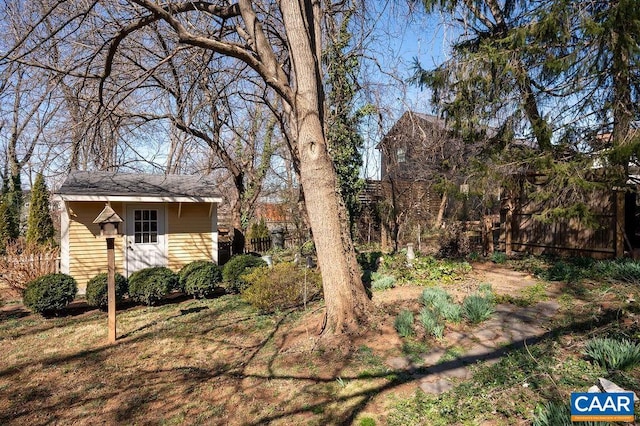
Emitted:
<point x="145" y="226"/>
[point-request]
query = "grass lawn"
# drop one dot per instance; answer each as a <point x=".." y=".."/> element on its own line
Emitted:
<point x="193" y="362"/>
<point x="220" y="361"/>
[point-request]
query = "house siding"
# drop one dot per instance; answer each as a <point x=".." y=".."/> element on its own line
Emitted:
<point x="86" y="250"/>
<point x="190" y="234"/>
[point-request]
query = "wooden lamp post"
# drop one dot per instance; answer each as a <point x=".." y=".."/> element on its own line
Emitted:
<point x="109" y="220"/>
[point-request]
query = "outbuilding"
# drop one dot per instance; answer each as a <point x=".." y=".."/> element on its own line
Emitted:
<point x="168" y="220"/>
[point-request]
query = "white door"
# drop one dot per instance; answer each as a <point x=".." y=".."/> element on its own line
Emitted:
<point x="146" y="239"/>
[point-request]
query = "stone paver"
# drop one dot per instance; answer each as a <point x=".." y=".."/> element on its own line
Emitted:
<point x="436" y="387"/>
<point x="509" y="325"/>
<point x="433" y="357"/>
<point x="399" y="363"/>
<point x="487" y="333"/>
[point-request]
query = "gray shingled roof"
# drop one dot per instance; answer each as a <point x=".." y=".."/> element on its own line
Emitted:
<point x="141" y="185"/>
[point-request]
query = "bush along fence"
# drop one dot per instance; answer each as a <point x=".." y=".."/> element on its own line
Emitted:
<point x="25" y="262"/>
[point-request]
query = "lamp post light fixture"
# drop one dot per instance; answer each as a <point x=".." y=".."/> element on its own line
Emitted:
<point x="109" y="221"/>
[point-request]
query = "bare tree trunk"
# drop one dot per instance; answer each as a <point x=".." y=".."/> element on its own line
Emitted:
<point x="622" y="103"/>
<point x="345" y="297"/>
<point x="441" y="210"/>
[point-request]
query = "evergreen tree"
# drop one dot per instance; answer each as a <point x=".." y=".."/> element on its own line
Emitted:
<point x="9" y="214"/>
<point x="562" y="73"/>
<point x="40" y="225"/>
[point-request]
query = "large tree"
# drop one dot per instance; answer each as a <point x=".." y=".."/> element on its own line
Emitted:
<point x="491" y="75"/>
<point x="558" y="76"/>
<point x="561" y="70"/>
<point x="282" y="43"/>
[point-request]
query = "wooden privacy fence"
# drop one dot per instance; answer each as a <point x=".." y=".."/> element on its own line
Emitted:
<point x="524" y="232"/>
<point x="259" y="245"/>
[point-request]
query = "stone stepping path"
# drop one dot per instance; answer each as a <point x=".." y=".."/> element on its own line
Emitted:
<point x="508" y="329"/>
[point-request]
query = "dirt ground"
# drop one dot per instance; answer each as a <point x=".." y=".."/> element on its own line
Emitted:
<point x="193" y="362"/>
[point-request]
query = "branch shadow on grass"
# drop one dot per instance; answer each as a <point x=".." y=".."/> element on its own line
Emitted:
<point x="162" y="392"/>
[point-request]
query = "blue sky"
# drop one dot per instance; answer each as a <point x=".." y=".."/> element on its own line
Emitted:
<point x="399" y="37"/>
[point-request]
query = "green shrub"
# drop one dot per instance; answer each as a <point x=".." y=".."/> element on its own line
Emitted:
<point x="613" y="354"/>
<point x="499" y="257"/>
<point x="285" y="285"/>
<point x="308" y="248"/>
<point x="474" y="256"/>
<point x="619" y="270"/>
<point x="50" y="293"/>
<point x="477" y="308"/>
<point x="97" y="289"/>
<point x="367" y="421"/>
<point x="258" y="230"/>
<point x="203" y="281"/>
<point x="563" y="271"/>
<point x="150" y="285"/>
<point x="404" y="323"/>
<point x="431" y="322"/>
<point x="188" y="269"/>
<point x="382" y="282"/>
<point x="237" y="266"/>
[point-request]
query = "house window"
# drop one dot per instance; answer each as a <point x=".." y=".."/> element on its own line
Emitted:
<point x="145" y="225"/>
<point x="401" y="154"/>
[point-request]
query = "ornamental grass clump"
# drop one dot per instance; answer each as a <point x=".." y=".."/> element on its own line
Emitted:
<point x="434" y="295"/>
<point x="624" y="270"/>
<point x="613" y="354"/>
<point x="450" y="312"/>
<point x="97" y="290"/>
<point x="558" y="414"/>
<point x="552" y="414"/>
<point x="404" y="323"/>
<point x="477" y="308"/>
<point x="442" y="304"/>
<point x="432" y="322"/>
<point x="381" y="281"/>
<point x="50" y="294"/>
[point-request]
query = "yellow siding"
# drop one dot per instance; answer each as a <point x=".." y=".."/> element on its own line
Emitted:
<point x="87" y="251"/>
<point x="189" y="236"/>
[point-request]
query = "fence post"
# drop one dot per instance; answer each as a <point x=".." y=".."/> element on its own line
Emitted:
<point x="619" y="227"/>
<point x="508" y="233"/>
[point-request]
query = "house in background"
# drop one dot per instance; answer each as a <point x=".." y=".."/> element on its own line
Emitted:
<point x="168" y="221"/>
<point x="422" y="163"/>
<point x="424" y="184"/>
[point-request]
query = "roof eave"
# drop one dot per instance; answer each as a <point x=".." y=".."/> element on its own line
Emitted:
<point x="139" y="198"/>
